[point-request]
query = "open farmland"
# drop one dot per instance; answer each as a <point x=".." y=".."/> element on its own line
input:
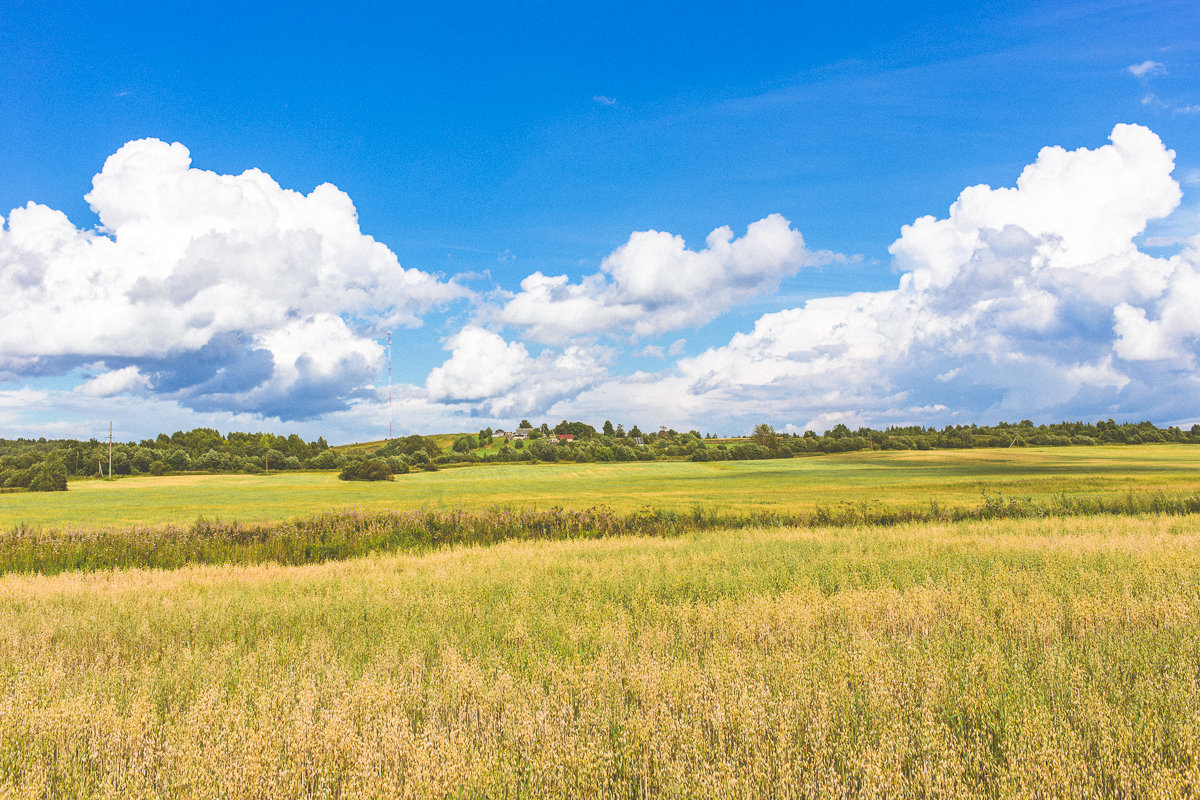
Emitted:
<point x="888" y="478"/>
<point x="667" y="656"/>
<point x="1045" y="658"/>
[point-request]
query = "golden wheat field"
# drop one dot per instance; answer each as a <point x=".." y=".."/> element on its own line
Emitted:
<point x="1011" y="658"/>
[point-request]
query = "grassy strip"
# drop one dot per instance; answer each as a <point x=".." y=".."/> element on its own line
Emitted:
<point x="346" y="534"/>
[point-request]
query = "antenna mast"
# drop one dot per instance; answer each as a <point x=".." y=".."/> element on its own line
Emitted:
<point x="110" y="450"/>
<point x="389" y="337"/>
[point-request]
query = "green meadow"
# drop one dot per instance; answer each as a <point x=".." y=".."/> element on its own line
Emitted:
<point x="893" y="478"/>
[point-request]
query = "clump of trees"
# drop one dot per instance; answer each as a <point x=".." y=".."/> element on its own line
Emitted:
<point x="371" y="470"/>
<point x="765" y="442"/>
<point x="613" y="443"/>
<point x="45" y="465"/>
<point x="47" y="475"/>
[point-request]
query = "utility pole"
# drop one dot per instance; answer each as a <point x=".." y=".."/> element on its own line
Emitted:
<point x="110" y="450"/>
<point x="389" y="337"/>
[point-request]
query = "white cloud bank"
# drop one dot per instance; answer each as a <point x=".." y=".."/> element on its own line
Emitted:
<point x="221" y="291"/>
<point x="651" y="284"/>
<point x="230" y="295"/>
<point x="495" y="378"/>
<point x="654" y="283"/>
<point x="1024" y="301"/>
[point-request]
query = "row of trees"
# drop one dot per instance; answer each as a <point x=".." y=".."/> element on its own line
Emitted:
<point x="841" y="438"/>
<point x="202" y="449"/>
<point x="580" y="430"/>
<point x="613" y="443"/>
<point x="46" y="464"/>
<point x="420" y="453"/>
<point x="46" y="475"/>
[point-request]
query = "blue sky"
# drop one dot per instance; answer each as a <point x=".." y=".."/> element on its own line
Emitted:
<point x="490" y="148"/>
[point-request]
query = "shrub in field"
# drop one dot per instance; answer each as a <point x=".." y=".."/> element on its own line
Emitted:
<point x="372" y="470"/>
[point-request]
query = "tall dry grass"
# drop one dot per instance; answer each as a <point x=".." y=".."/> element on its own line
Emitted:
<point x="333" y="535"/>
<point x="1010" y="658"/>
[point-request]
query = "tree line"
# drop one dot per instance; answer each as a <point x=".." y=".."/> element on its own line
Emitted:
<point x="46" y="465"/>
<point x="841" y="439"/>
<point x="614" y="443"/>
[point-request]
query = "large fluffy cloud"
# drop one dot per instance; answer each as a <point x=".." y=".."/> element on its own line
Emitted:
<point x="654" y="283"/>
<point x="488" y="376"/>
<point x="225" y="291"/>
<point x="1022" y="301"/>
<point x="232" y="296"/>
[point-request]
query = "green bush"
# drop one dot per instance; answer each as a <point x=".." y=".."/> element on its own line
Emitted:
<point x="372" y="470"/>
<point x="50" y="476"/>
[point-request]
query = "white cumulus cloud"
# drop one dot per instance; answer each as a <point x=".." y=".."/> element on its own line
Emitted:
<point x="654" y="283"/>
<point x="222" y="290"/>
<point x="1023" y="300"/>
<point x="488" y="376"/>
<point x="115" y="382"/>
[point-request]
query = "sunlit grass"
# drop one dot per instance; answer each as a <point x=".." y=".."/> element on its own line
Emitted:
<point x="1012" y="658"/>
<point x="792" y="485"/>
<point x="347" y="534"/>
<point x="1024" y="657"/>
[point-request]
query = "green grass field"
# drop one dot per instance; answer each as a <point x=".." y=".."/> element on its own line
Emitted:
<point x="909" y="478"/>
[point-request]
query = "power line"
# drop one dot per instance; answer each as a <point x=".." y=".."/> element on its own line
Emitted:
<point x="389" y="385"/>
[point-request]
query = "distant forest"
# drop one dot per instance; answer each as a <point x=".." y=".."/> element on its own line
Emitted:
<point x="45" y="465"/>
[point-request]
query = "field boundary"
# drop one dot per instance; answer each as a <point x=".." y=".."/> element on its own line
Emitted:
<point x="346" y="534"/>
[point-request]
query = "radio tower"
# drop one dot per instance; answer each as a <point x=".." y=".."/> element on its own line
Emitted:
<point x="389" y="334"/>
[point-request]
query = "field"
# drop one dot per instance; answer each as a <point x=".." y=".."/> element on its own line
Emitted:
<point x="998" y="658"/>
<point x="1012" y="659"/>
<point x="908" y="478"/>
